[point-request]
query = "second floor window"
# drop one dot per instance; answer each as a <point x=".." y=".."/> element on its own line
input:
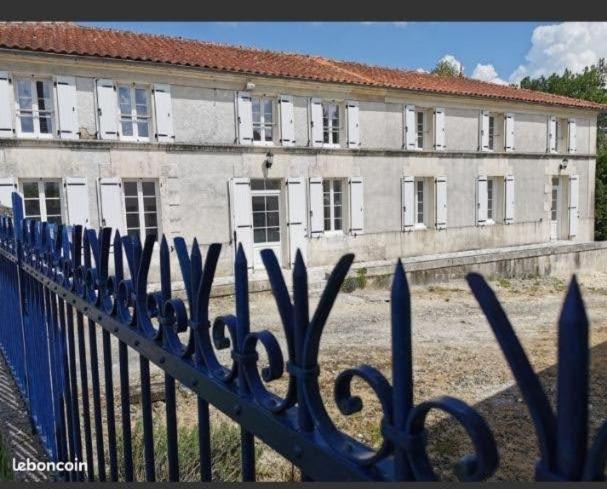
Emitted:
<point x="34" y="107"/>
<point x="263" y="120"/>
<point x="420" y="123"/>
<point x="490" y="199"/>
<point x="42" y="200"/>
<point x="134" y="105"/>
<point x="420" y="215"/>
<point x="330" y="123"/>
<point x="140" y="204"/>
<point x="491" y="132"/>
<point x="333" y="204"/>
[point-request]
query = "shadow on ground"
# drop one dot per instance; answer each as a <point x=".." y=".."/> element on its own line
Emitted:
<point x="514" y="433"/>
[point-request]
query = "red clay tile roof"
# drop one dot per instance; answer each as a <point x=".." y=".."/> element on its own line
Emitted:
<point x="72" y="39"/>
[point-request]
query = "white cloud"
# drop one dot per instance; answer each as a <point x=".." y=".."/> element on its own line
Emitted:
<point x="487" y="73"/>
<point x="421" y="70"/>
<point x="572" y="45"/>
<point x="453" y="61"/>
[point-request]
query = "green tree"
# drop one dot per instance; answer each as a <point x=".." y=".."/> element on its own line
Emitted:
<point x="590" y="85"/>
<point x="446" y="68"/>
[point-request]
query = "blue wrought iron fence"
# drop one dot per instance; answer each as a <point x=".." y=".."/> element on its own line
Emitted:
<point x="57" y="288"/>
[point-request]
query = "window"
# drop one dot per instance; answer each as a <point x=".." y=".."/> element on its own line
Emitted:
<point x="491" y="132"/>
<point x="554" y="202"/>
<point x="420" y="122"/>
<point x="34" y="107"/>
<point x="140" y="204"/>
<point x="330" y="124"/>
<point x="134" y="106"/>
<point x="420" y="211"/>
<point x="491" y="199"/>
<point x="263" y="120"/>
<point x="265" y="195"/>
<point x="333" y="204"/>
<point x="42" y="200"/>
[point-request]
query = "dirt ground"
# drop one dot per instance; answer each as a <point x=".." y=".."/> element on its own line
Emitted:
<point x="454" y="353"/>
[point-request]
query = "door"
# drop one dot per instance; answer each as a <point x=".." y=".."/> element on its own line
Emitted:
<point x="265" y="199"/>
<point x="555" y="208"/>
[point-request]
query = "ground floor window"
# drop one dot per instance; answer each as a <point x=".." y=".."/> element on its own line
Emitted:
<point x="42" y="200"/>
<point x="141" y="207"/>
<point x="265" y="195"/>
<point x="333" y="204"/>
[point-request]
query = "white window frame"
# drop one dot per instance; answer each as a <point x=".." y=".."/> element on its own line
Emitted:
<point x="491" y="199"/>
<point x="416" y="183"/>
<point x="42" y="197"/>
<point x="262" y="124"/>
<point x="34" y="110"/>
<point x="141" y="211"/>
<point x="329" y="127"/>
<point x="420" y="134"/>
<point x="331" y="181"/>
<point x="135" y="118"/>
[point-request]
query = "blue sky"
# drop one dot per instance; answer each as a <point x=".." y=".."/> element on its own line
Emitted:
<point x="506" y="50"/>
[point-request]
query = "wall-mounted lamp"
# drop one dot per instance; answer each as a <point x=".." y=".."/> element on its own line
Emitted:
<point x="564" y="163"/>
<point x="269" y="160"/>
<point x="250" y="86"/>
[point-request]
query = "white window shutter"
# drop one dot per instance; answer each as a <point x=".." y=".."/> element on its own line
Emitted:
<point x="242" y="216"/>
<point x="296" y="194"/>
<point x="439" y="129"/>
<point x="7" y="187"/>
<point x="66" y="107"/>
<point x="509" y="129"/>
<point x="6" y="112"/>
<point x="287" y="126"/>
<point x="574" y="197"/>
<point x="107" y="109"/>
<point x="484" y="131"/>
<point x="77" y="196"/>
<point x="441" y="202"/>
<point x="244" y="112"/>
<point x="110" y="196"/>
<point x="481" y="200"/>
<point x="317" y="217"/>
<point x="510" y="198"/>
<point x="357" y="206"/>
<point x="410" y="128"/>
<point x="164" y="113"/>
<point x="551" y="134"/>
<point x="572" y="136"/>
<point x="316" y="133"/>
<point x="408" y="203"/>
<point x="353" y="124"/>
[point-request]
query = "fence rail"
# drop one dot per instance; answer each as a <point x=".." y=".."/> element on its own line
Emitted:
<point x="57" y="290"/>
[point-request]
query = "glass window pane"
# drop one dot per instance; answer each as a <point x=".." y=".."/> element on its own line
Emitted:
<point x="127" y="128"/>
<point x="53" y="207"/>
<point x="45" y="125"/>
<point x="141" y="101"/>
<point x="151" y="220"/>
<point x="272" y="218"/>
<point x="338" y="226"/>
<point x="30" y="189"/>
<point x="131" y="204"/>
<point x="130" y="188"/>
<point x="44" y="95"/>
<point x="132" y="220"/>
<point x="256" y="133"/>
<point x="143" y="129"/>
<point x="124" y="100"/>
<point x="273" y="235"/>
<point x="27" y="124"/>
<point x="32" y="208"/>
<point x="268" y="134"/>
<point x="327" y="223"/>
<point x="258" y="184"/>
<point x="272" y="203"/>
<point x="54" y="219"/>
<point x="152" y="232"/>
<point x="258" y="203"/>
<point x="24" y="94"/>
<point x="148" y="188"/>
<point x="133" y="232"/>
<point x="149" y="204"/>
<point x="259" y="235"/>
<point x="259" y="219"/>
<point x="267" y="113"/>
<point x="255" y="107"/>
<point x="273" y="184"/>
<point x="337" y="212"/>
<point x="51" y="189"/>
